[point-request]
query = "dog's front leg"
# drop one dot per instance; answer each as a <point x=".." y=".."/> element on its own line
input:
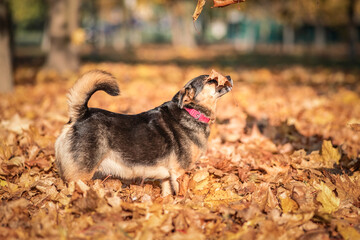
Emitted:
<point x="174" y="175"/>
<point x="166" y="187"/>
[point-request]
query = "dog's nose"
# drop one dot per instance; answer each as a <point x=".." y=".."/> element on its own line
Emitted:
<point x="230" y="80"/>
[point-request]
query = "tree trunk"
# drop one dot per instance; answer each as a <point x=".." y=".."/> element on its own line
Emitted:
<point x="73" y="25"/>
<point x="288" y="39"/>
<point x="6" y="82"/>
<point x="352" y="33"/>
<point x="320" y="38"/>
<point x="182" y="27"/>
<point x="63" y="20"/>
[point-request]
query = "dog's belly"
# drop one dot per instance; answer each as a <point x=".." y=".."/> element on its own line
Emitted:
<point x="114" y="167"/>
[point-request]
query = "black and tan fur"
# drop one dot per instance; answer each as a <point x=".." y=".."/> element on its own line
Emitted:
<point x="160" y="143"/>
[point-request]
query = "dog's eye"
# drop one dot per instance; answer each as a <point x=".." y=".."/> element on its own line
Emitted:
<point x="213" y="82"/>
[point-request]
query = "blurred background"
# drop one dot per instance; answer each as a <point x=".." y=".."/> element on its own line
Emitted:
<point x="56" y="36"/>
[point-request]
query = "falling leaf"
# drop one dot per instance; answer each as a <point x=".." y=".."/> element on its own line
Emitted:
<point x="224" y="3"/>
<point x="199" y="7"/>
<point x="330" y="203"/>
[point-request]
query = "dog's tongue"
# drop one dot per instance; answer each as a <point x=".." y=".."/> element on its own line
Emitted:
<point x="221" y="80"/>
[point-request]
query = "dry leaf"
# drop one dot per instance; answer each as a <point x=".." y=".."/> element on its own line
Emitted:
<point x="224" y="3"/>
<point x="199" y="7"/>
<point x="355" y="126"/>
<point x="287" y="204"/>
<point x="16" y="124"/>
<point x="242" y="187"/>
<point x="114" y="201"/>
<point x="348" y="232"/>
<point x="183" y="181"/>
<point x="330" y="203"/>
<point x="329" y="154"/>
<point x="221" y="80"/>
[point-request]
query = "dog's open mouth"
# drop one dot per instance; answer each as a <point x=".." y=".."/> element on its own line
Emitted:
<point x="222" y="90"/>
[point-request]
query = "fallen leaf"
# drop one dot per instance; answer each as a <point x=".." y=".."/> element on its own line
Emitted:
<point x="217" y="197"/>
<point x="183" y="181"/>
<point x="114" y="201"/>
<point x="330" y="203"/>
<point x="355" y="126"/>
<point x="287" y="204"/>
<point x="348" y="232"/>
<point x="329" y="154"/>
<point x="16" y="124"/>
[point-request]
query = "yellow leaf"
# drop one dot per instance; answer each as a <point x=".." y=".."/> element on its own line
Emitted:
<point x="348" y="233"/>
<point x="199" y="182"/>
<point x="330" y="154"/>
<point x="218" y="197"/>
<point x="3" y="183"/>
<point x="330" y="203"/>
<point x="287" y="204"/>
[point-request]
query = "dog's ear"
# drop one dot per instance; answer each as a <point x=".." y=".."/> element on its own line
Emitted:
<point x="186" y="95"/>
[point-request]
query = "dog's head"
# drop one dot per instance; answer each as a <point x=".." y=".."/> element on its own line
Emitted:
<point x="202" y="91"/>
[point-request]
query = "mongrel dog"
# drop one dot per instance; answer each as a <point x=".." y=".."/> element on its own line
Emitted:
<point x="161" y="143"/>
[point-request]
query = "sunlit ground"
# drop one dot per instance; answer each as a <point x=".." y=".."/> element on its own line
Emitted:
<point x="282" y="162"/>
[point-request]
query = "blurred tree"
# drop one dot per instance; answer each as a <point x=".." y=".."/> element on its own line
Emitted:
<point x="28" y="14"/>
<point x="319" y="13"/>
<point x="351" y="25"/>
<point x="182" y="28"/>
<point x="63" y="54"/>
<point x="6" y="82"/>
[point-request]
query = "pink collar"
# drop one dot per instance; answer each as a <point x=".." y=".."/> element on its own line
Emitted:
<point x="197" y="115"/>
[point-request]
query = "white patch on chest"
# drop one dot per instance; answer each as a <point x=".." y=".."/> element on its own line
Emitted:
<point x="116" y="167"/>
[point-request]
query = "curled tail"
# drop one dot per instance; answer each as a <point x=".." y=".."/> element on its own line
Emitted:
<point x="85" y="87"/>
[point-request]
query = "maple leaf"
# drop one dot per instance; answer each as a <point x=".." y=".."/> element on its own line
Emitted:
<point x="287" y="204"/>
<point x="348" y="232"/>
<point x="330" y="203"/>
<point x="329" y="154"/>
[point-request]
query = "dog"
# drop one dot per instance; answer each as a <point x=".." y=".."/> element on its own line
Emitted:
<point x="161" y="143"/>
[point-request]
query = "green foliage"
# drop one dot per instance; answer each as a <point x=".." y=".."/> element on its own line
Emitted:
<point x="27" y="13"/>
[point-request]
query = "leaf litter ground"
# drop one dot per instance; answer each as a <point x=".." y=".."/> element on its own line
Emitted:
<point x="282" y="162"/>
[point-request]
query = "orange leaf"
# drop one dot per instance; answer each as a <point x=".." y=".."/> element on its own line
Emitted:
<point x="221" y="80"/>
<point x="224" y="3"/>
